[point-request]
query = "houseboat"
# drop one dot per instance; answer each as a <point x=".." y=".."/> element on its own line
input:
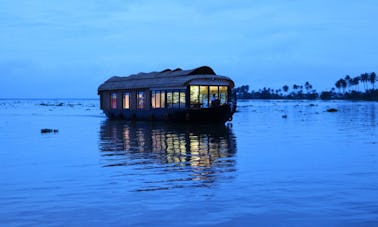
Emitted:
<point x="196" y="95"/>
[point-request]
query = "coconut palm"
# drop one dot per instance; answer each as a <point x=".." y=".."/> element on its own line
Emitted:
<point x="356" y="82"/>
<point x="372" y="79"/>
<point x="285" y="88"/>
<point x="343" y="84"/>
<point x="308" y="86"/>
<point x="348" y="81"/>
<point x="364" y="79"/>
<point x="338" y="84"/>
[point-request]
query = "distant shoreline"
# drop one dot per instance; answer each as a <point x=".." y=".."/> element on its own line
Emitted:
<point x="371" y="95"/>
<point x="303" y="99"/>
<point x="359" y="88"/>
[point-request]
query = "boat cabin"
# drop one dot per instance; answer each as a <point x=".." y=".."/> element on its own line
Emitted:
<point x="196" y="95"/>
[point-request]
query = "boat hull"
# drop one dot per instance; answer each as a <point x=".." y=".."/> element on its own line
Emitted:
<point x="219" y="114"/>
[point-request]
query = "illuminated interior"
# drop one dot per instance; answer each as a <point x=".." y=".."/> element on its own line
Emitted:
<point x="126" y="100"/>
<point x="208" y="96"/>
<point x="182" y="99"/>
<point x="176" y="99"/>
<point x="158" y="99"/>
<point x="223" y="94"/>
<point x="140" y="99"/>
<point x="204" y="96"/>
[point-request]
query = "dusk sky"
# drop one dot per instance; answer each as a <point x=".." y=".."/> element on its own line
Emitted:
<point x="65" y="49"/>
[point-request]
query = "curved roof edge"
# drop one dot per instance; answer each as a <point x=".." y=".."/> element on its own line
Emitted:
<point x="167" y="78"/>
<point x="203" y="70"/>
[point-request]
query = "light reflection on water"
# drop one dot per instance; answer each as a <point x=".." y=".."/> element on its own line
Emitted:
<point x="169" y="156"/>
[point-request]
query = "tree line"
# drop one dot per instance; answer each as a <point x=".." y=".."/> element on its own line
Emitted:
<point x="361" y="87"/>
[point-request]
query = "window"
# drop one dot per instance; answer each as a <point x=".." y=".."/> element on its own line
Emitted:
<point x="204" y="96"/>
<point x="162" y="99"/>
<point x="113" y="101"/>
<point x="157" y="99"/>
<point x="176" y="99"/>
<point x="223" y="94"/>
<point x="169" y="99"/>
<point x="153" y="100"/>
<point x="182" y="100"/>
<point x="213" y="92"/>
<point x="207" y="96"/>
<point x="126" y="100"/>
<point x="194" y="96"/>
<point x="140" y="99"/>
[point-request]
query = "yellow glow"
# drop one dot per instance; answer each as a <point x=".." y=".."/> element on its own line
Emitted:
<point x="223" y="94"/>
<point x="194" y="95"/>
<point x="126" y="100"/>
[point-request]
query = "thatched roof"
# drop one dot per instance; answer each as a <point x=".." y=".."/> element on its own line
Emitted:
<point x="165" y="79"/>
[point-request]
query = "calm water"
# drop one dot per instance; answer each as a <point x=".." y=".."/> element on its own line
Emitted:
<point x="312" y="168"/>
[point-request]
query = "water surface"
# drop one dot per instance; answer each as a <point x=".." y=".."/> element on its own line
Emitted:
<point x="278" y="163"/>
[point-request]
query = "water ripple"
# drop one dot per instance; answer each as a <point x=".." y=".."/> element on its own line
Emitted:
<point x="168" y="154"/>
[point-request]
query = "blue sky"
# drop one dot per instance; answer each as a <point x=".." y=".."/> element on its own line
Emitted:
<point x="51" y="49"/>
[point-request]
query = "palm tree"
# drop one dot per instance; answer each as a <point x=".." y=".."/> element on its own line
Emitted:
<point x="338" y="84"/>
<point x="356" y="82"/>
<point x="348" y="81"/>
<point x="343" y="84"/>
<point x="364" y="79"/>
<point x="308" y="86"/>
<point x="243" y="91"/>
<point x="372" y="77"/>
<point x="285" y="88"/>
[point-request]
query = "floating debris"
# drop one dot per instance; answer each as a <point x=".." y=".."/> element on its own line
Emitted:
<point x="49" y="130"/>
<point x="284" y="116"/>
<point x="331" y="110"/>
<point x="51" y="104"/>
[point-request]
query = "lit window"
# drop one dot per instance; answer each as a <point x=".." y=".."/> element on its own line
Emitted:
<point x="194" y="97"/>
<point x="169" y="99"/>
<point x="162" y="99"/>
<point x="114" y="101"/>
<point x="158" y="104"/>
<point x="176" y="99"/>
<point x="153" y="99"/>
<point x="204" y="96"/>
<point x="126" y="100"/>
<point x="140" y="99"/>
<point x="213" y="92"/>
<point x="214" y="96"/>
<point x="157" y="99"/>
<point x="182" y="100"/>
<point x="223" y="94"/>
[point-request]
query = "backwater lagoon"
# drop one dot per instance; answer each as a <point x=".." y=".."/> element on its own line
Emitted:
<point x="277" y="163"/>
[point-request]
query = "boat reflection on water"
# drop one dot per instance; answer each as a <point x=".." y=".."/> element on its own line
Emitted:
<point x="190" y="152"/>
